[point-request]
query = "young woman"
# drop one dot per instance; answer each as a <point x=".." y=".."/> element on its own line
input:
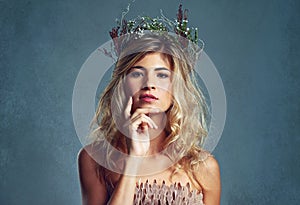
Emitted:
<point x="150" y="125"/>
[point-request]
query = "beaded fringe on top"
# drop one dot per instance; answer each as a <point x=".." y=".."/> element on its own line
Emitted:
<point x="147" y="194"/>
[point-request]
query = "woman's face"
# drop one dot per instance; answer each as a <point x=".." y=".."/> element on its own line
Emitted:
<point x="149" y="83"/>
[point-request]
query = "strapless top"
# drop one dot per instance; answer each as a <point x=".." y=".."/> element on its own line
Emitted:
<point x="175" y="194"/>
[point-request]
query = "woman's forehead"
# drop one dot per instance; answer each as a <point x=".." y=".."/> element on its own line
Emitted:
<point x="154" y="60"/>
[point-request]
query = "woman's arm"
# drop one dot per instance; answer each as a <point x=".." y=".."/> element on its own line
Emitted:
<point x="125" y="189"/>
<point x="93" y="184"/>
<point x="93" y="188"/>
<point x="208" y="175"/>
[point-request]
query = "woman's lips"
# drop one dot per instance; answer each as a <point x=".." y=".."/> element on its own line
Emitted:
<point x="148" y="98"/>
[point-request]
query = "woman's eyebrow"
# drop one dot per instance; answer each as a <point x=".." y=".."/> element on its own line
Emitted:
<point x="138" y="67"/>
<point x="162" y="68"/>
<point x="156" y="69"/>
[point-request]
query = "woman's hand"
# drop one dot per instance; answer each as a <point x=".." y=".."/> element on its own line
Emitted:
<point x="138" y="124"/>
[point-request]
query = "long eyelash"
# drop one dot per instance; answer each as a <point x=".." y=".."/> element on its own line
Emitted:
<point x="164" y="75"/>
<point x="135" y="73"/>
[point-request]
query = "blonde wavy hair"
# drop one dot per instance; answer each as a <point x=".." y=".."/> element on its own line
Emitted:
<point x="186" y="118"/>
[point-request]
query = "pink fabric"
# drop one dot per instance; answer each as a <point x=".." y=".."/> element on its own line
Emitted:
<point x="175" y="194"/>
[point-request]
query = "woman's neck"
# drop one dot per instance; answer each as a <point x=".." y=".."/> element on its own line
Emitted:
<point x="156" y="142"/>
<point x="158" y="135"/>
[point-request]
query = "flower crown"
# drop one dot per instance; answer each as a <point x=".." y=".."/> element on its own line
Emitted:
<point x="161" y="24"/>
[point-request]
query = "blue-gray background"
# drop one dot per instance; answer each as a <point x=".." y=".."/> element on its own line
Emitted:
<point x="254" y="44"/>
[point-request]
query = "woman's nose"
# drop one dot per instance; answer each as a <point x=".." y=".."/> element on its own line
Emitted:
<point x="149" y="83"/>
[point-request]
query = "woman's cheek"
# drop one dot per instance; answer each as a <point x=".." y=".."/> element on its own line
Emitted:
<point x="130" y="88"/>
<point x="165" y="85"/>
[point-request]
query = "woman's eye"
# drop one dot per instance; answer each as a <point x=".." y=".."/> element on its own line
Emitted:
<point x="136" y="74"/>
<point x="162" y="75"/>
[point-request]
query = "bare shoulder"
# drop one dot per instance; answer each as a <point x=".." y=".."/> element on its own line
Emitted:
<point x="208" y="172"/>
<point x="210" y="163"/>
<point x="89" y="169"/>
<point x="91" y="179"/>
<point x="84" y="158"/>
